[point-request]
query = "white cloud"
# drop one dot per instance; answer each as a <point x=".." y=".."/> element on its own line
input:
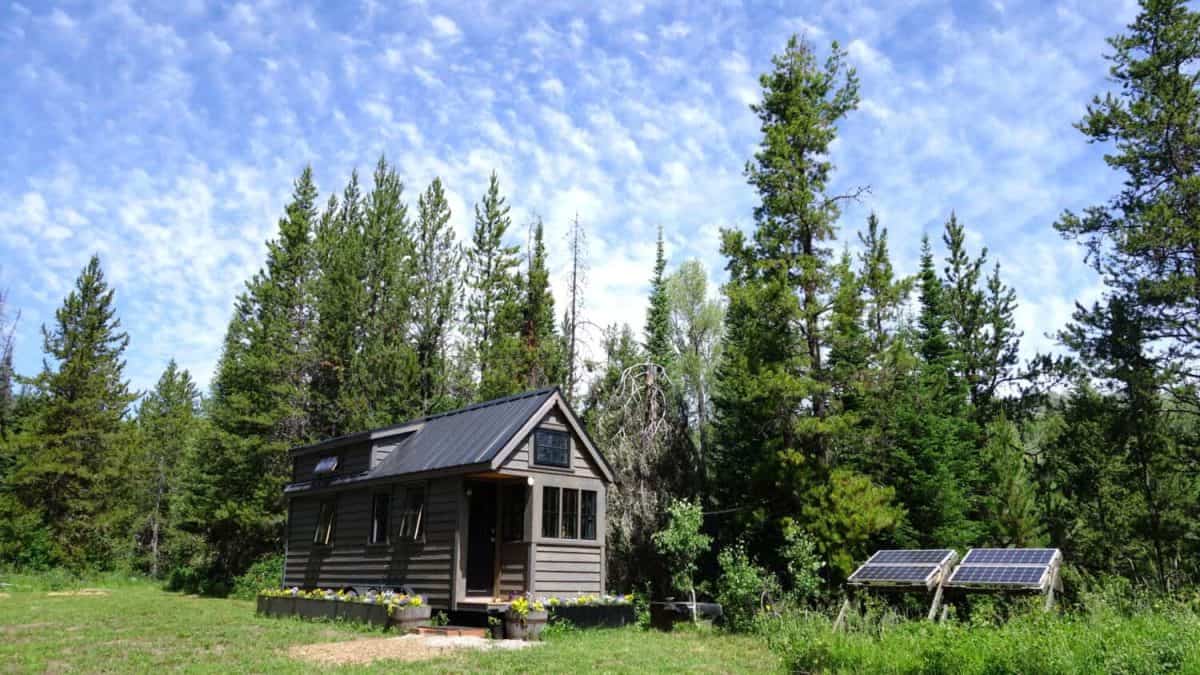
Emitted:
<point x="674" y="30"/>
<point x="552" y="86"/>
<point x="445" y="27"/>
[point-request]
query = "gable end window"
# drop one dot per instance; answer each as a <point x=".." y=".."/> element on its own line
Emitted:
<point x="324" y="534"/>
<point x="381" y="505"/>
<point x="552" y="448"/>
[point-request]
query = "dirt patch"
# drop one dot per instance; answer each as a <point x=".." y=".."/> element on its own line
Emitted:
<point x="405" y="648"/>
<point x="83" y="592"/>
<point x="4" y="596"/>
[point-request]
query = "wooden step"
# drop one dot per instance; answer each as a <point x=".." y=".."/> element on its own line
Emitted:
<point x="453" y="631"/>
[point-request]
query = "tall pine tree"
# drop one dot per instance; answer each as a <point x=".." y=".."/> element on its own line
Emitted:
<point x="60" y="467"/>
<point x="436" y="267"/>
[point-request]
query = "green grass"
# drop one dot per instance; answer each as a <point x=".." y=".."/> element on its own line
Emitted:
<point x="1153" y="639"/>
<point x="139" y="628"/>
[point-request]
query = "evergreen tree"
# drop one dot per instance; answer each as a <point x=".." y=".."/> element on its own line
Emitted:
<point x="774" y="377"/>
<point x="231" y="480"/>
<point x="435" y="295"/>
<point x="1145" y="241"/>
<point x="59" y="468"/>
<point x="543" y="358"/>
<point x="658" y="316"/>
<point x="884" y="294"/>
<point x="8" y="326"/>
<point x="493" y="304"/>
<point x="168" y="421"/>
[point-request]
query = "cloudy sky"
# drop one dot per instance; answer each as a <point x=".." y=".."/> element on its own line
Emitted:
<point x="166" y="136"/>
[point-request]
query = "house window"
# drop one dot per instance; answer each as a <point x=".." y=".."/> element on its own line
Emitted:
<point x="324" y="534"/>
<point x="381" y="506"/>
<point x="414" y="512"/>
<point x="326" y="466"/>
<point x="514" y="513"/>
<point x="552" y="448"/>
<point x="550" y="512"/>
<point x="570" y="514"/>
<point x="587" y="514"/>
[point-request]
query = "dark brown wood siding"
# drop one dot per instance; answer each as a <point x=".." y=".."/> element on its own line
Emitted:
<point x="566" y="570"/>
<point x="351" y="561"/>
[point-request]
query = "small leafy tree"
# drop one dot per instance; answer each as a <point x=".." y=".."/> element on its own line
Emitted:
<point x="743" y="587"/>
<point x="681" y="543"/>
<point x="803" y="561"/>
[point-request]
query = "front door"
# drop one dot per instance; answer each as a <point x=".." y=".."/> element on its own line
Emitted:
<point x="481" y="539"/>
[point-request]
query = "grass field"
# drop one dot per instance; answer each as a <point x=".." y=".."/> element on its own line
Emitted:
<point x="138" y="628"/>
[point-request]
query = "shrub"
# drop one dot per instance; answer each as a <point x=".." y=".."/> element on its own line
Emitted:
<point x="681" y="543"/>
<point x="742" y="586"/>
<point x="266" y="573"/>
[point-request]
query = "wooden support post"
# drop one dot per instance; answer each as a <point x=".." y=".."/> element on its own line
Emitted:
<point x="945" y="610"/>
<point x="841" y="617"/>
<point x="1050" y="588"/>
<point x="937" y="602"/>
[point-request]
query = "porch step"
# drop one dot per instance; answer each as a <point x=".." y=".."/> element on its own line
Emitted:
<point x="453" y="631"/>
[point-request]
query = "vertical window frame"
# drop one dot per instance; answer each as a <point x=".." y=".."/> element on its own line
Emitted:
<point x="412" y="520"/>
<point x="570" y="515"/>
<point x="327" y="506"/>
<point x="585" y="518"/>
<point x="551" y="514"/>
<point x="373" y="538"/>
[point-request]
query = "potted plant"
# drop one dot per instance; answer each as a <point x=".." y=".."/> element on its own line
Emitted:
<point x="407" y="612"/>
<point x="525" y="620"/>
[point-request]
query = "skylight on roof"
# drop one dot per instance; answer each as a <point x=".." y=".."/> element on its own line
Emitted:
<point x="326" y="466"/>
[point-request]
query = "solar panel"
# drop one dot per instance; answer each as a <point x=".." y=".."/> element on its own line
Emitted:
<point x="998" y="575"/>
<point x="911" y="556"/>
<point x="896" y="573"/>
<point x="1010" y="556"/>
<point x="915" y="568"/>
<point x="1001" y="568"/>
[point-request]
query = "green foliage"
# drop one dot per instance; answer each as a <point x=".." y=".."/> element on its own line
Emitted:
<point x="658" y="315"/>
<point x="743" y="587"/>
<point x="266" y="573"/>
<point x="802" y="562"/>
<point x="62" y="466"/>
<point x="681" y="542"/>
<point x="1094" y="640"/>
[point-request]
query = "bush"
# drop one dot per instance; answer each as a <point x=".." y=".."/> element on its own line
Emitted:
<point x="741" y="587"/>
<point x="266" y="573"/>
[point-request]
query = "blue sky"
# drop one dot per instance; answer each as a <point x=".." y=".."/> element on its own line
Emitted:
<point x="165" y="136"/>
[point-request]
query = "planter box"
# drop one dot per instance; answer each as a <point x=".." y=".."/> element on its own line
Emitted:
<point x="408" y="619"/>
<point x="529" y="629"/>
<point x="596" y="616"/>
<point x="309" y="608"/>
<point x="268" y="606"/>
<point x="361" y="612"/>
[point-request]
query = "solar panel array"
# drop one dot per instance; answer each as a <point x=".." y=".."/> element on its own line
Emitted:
<point x="1005" y="568"/>
<point x="919" y="568"/>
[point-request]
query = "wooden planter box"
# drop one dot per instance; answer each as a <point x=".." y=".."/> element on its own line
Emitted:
<point x="403" y="619"/>
<point x="408" y="619"/>
<point x="361" y="612"/>
<point x="268" y="606"/>
<point x="596" y="616"/>
<point x="529" y="629"/>
<point x="664" y="615"/>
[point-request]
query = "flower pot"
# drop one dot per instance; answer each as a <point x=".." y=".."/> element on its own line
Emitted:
<point x="407" y="619"/>
<point x="527" y="628"/>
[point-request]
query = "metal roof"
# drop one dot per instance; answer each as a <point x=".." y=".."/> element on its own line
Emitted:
<point x="464" y="437"/>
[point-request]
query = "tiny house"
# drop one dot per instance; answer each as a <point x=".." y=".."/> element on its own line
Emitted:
<point x="468" y="508"/>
